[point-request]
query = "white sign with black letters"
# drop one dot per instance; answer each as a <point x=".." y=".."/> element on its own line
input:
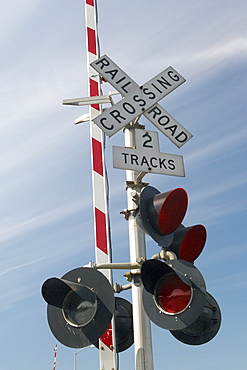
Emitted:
<point x="142" y="101"/>
<point x="137" y="102"/>
<point x="147" y="157"/>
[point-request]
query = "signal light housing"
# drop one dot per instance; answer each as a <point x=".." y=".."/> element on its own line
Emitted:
<point x="204" y="328"/>
<point x="80" y="306"/>
<point x="160" y="214"/>
<point x="175" y="298"/>
<point x="123" y="325"/>
<point x="188" y="242"/>
<point x="174" y="293"/>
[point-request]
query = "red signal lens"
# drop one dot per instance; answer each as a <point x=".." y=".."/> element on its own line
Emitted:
<point x="193" y="243"/>
<point x="171" y="294"/>
<point x="171" y="207"/>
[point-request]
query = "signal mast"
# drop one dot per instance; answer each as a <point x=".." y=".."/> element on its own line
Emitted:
<point x="55" y="358"/>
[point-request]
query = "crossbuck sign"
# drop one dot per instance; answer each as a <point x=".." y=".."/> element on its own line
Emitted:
<point x="140" y="100"/>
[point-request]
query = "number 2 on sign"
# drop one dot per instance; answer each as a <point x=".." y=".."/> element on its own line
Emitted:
<point x="147" y="140"/>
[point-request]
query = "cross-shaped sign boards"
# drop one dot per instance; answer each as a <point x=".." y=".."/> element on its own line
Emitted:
<point x="140" y="100"/>
<point x="147" y="157"/>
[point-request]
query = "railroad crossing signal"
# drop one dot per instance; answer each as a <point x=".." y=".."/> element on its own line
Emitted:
<point x="160" y="214"/>
<point x="188" y="242"/>
<point x="174" y="294"/>
<point x="140" y="100"/>
<point x="80" y="306"/>
<point x="175" y="298"/>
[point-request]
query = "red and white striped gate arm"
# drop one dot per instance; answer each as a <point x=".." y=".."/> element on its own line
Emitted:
<point x="107" y="347"/>
<point x="55" y="358"/>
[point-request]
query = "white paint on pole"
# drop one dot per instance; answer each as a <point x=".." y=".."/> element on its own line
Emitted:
<point x="157" y="115"/>
<point x="141" y="323"/>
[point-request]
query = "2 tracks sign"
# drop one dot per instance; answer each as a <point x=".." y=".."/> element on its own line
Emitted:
<point x="146" y="157"/>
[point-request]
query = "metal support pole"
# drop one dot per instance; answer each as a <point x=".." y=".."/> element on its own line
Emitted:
<point x="76" y="353"/>
<point x="142" y="329"/>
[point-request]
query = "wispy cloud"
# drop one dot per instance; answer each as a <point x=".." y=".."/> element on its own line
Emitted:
<point x="231" y="282"/>
<point x="205" y="57"/>
<point x="220" y="187"/>
<point x="220" y="146"/>
<point x="23" y="265"/>
<point x="11" y="230"/>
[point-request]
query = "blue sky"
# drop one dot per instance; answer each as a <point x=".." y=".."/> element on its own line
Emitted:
<point x="46" y="225"/>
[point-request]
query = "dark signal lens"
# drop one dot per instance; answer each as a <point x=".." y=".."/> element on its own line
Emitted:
<point x="171" y="294"/>
<point x="78" y="310"/>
